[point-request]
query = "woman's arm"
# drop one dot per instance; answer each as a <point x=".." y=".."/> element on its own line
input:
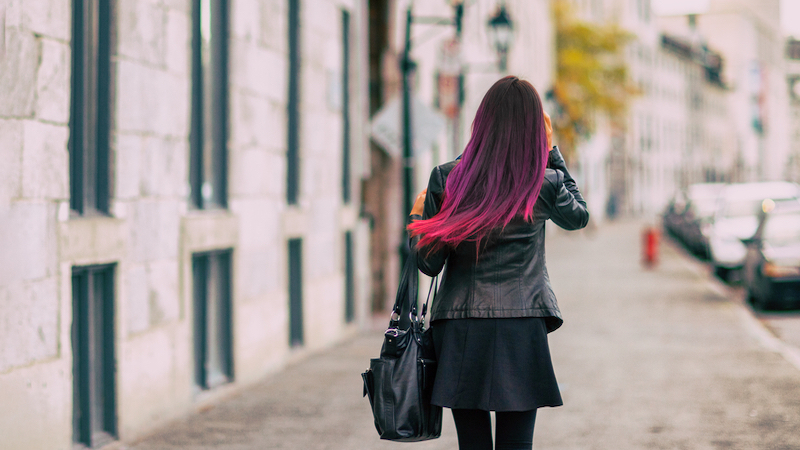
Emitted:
<point x="570" y="210"/>
<point x="427" y="205"/>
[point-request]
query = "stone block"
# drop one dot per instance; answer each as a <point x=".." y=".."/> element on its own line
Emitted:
<point x="141" y="31"/>
<point x="53" y="82"/>
<point x="137" y="315"/>
<point x="179" y="42"/>
<point x="92" y="240"/>
<point x="326" y="141"/>
<point x="13" y="13"/>
<point x="184" y="6"/>
<point x="45" y="161"/>
<point x="274" y="26"/>
<point x="164" y="167"/>
<point x="250" y="172"/>
<point x="151" y="295"/>
<point x="29" y="323"/>
<point x="209" y="230"/>
<point x="324" y="18"/>
<point x="256" y="121"/>
<point x="37" y="402"/>
<point x="245" y="19"/>
<point x="18" y="73"/>
<point x="153" y="387"/>
<point x="259" y="70"/>
<point x="152" y="101"/>
<point x="163" y="299"/>
<point x="276" y="181"/>
<point x="154" y="230"/>
<point x="51" y="18"/>
<point x="11" y="138"/>
<point x="128" y="162"/>
<point x="259" y="272"/>
<point x="28" y="245"/>
<point x="259" y="222"/>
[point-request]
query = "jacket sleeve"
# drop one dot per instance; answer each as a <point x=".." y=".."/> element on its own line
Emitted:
<point x="569" y="211"/>
<point x="430" y="263"/>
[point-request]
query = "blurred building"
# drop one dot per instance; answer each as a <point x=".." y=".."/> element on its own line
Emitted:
<point x="661" y="146"/>
<point x="179" y="204"/>
<point x="678" y="128"/>
<point x="747" y="35"/>
<point x="711" y="104"/>
<point x="793" y="82"/>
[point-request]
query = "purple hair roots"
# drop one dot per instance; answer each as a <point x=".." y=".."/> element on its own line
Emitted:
<point x="500" y="173"/>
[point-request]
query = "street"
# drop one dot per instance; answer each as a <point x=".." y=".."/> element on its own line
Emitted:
<point x="647" y="359"/>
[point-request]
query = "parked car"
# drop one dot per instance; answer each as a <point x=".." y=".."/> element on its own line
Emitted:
<point x="689" y="212"/>
<point x="736" y="218"/>
<point x="672" y="219"/>
<point x="772" y="263"/>
<point x="699" y="215"/>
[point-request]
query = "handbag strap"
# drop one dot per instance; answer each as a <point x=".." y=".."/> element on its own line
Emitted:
<point x="407" y="293"/>
<point x="433" y="288"/>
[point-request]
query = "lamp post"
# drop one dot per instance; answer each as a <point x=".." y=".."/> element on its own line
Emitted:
<point x="501" y="34"/>
<point x="407" y="68"/>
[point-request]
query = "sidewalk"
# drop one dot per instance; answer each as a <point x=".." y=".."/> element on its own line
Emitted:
<point x="645" y="360"/>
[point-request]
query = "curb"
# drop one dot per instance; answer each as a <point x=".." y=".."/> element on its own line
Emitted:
<point x="752" y="324"/>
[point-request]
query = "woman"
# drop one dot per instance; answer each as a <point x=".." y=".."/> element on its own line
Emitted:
<point x="484" y="216"/>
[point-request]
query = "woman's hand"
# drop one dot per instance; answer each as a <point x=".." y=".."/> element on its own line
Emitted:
<point x="548" y="128"/>
<point x="419" y="203"/>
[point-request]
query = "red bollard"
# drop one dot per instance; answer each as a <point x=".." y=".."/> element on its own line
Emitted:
<point x="650" y="242"/>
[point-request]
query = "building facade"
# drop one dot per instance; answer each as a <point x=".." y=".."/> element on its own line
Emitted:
<point x="711" y="103"/>
<point x="793" y="84"/>
<point x="748" y="37"/>
<point x="180" y="204"/>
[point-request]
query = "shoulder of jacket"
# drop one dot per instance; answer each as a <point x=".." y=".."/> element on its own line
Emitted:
<point x="439" y="175"/>
<point x="446" y="168"/>
<point x="553" y="177"/>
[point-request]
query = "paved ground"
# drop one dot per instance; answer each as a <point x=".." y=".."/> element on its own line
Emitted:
<point x="657" y="359"/>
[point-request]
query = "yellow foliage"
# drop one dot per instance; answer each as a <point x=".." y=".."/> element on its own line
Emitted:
<point x="591" y="76"/>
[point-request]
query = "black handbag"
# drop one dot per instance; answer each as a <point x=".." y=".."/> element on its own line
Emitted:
<point x="400" y="382"/>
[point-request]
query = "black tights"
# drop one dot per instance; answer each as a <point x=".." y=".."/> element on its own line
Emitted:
<point x="513" y="429"/>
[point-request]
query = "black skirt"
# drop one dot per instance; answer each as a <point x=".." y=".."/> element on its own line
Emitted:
<point x="494" y="364"/>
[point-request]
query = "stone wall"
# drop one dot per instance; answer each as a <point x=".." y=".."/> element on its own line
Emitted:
<point x="153" y="231"/>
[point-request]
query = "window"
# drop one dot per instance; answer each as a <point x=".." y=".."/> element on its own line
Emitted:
<point x="90" y="108"/>
<point x="295" y="292"/>
<point x="293" y="107"/>
<point x="209" y="115"/>
<point x="94" y="420"/>
<point x="346" y="107"/>
<point x="213" y="349"/>
<point x="349" y="279"/>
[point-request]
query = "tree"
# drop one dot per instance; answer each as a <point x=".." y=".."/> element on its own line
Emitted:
<point x="591" y="76"/>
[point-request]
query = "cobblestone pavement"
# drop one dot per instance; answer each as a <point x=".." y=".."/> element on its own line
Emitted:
<point x="646" y="359"/>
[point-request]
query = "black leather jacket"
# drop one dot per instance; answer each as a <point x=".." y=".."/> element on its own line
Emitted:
<point x="509" y="278"/>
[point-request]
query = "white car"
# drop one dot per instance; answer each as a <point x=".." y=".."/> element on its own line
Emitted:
<point x="736" y="218"/>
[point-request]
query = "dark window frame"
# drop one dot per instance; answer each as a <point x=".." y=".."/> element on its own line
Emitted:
<point x="208" y="167"/>
<point x="94" y="409"/>
<point x="213" y="318"/>
<point x="293" y="106"/>
<point x="349" y="279"/>
<point x="346" y="170"/>
<point x="91" y="109"/>
<point x="295" y="272"/>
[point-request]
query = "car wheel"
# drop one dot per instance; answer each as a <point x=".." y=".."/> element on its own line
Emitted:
<point x="723" y="273"/>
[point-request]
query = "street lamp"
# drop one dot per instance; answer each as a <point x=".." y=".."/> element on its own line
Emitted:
<point x="501" y="34"/>
<point x="407" y="67"/>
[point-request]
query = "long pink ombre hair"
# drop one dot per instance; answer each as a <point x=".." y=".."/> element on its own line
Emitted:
<point x="500" y="173"/>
